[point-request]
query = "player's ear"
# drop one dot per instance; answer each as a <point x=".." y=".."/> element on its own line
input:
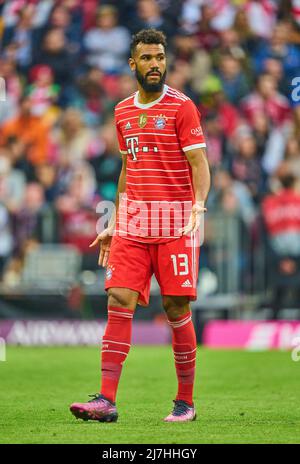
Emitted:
<point x="132" y="64"/>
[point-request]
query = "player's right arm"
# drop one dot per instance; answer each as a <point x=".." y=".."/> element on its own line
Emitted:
<point x="106" y="235"/>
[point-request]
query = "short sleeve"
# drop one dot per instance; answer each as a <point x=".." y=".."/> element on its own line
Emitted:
<point x="188" y="127"/>
<point x="122" y="144"/>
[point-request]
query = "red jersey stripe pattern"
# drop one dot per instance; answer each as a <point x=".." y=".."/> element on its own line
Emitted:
<point x="155" y="137"/>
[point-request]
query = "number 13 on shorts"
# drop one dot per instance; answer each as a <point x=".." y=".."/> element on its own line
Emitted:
<point x="180" y="264"/>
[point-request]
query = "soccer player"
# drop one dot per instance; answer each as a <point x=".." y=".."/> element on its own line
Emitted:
<point x="164" y="168"/>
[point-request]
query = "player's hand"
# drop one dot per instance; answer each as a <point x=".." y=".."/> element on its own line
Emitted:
<point x="105" y="240"/>
<point x="195" y="217"/>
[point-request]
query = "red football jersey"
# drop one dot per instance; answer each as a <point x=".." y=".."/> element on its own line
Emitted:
<point x="155" y="137"/>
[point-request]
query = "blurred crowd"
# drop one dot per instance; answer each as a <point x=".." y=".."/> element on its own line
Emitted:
<point x="64" y="63"/>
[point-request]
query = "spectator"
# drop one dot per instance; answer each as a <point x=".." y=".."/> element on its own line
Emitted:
<point x="16" y="149"/>
<point x="54" y="53"/>
<point x="13" y="89"/>
<point x="43" y="93"/>
<point x="126" y="86"/>
<point x="70" y="21"/>
<point x="292" y="158"/>
<point x="89" y="12"/>
<point x="107" y="45"/>
<point x="22" y="37"/>
<point x="230" y="43"/>
<point x="91" y="96"/>
<point x="199" y="61"/>
<point x="149" y="15"/>
<point x="27" y="219"/>
<point x="274" y="67"/>
<point x="213" y="100"/>
<point x="30" y="130"/>
<point x="8" y="110"/>
<point x="190" y="15"/>
<point x="261" y="131"/>
<point x="78" y="217"/>
<point x="234" y="81"/>
<point x="223" y="15"/>
<point x="171" y="10"/>
<point x="292" y="8"/>
<point x="179" y="77"/>
<point x="6" y="237"/>
<point x="207" y="37"/>
<point x="295" y="127"/>
<point x="72" y="141"/>
<point x="245" y="165"/>
<point x="46" y="176"/>
<point x="12" y="184"/>
<point x="12" y="79"/>
<point x="237" y="193"/>
<point x="11" y="11"/>
<point x="278" y="47"/>
<point x="274" y="149"/>
<point x="107" y="165"/>
<point x="266" y="99"/>
<point x="281" y="213"/>
<point x="246" y="37"/>
<point x="261" y="17"/>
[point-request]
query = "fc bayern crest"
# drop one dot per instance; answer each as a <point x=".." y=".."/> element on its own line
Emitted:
<point x="109" y="272"/>
<point x="160" y="121"/>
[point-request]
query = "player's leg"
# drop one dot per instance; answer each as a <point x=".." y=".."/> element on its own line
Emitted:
<point x="127" y="282"/>
<point x="184" y="344"/>
<point x="176" y="269"/>
<point x="116" y="340"/>
<point x="116" y="343"/>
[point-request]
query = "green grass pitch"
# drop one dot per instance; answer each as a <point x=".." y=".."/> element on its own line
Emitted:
<point x="241" y="397"/>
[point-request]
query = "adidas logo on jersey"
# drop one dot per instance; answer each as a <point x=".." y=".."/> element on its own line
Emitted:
<point x="128" y="126"/>
<point x="187" y="283"/>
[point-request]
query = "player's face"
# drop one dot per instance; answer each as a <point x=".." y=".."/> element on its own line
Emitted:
<point x="149" y="65"/>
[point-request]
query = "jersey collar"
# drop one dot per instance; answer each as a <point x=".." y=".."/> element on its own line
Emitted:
<point x="148" y="105"/>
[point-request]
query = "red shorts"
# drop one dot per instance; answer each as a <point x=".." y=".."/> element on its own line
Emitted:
<point x="175" y="265"/>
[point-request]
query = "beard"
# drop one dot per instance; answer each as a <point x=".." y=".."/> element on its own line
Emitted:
<point x="150" y="87"/>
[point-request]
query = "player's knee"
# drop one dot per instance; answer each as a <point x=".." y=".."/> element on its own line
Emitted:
<point x="122" y="298"/>
<point x="175" y="306"/>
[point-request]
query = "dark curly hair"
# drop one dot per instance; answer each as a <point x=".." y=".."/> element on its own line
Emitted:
<point x="148" y="36"/>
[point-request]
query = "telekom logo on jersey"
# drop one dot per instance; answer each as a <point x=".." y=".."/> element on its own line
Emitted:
<point x="132" y="144"/>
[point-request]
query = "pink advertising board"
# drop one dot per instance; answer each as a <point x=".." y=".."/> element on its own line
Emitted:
<point x="251" y="335"/>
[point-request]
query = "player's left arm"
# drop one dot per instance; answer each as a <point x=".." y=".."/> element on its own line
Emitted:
<point x="191" y="139"/>
<point x="200" y="173"/>
<point x="201" y="185"/>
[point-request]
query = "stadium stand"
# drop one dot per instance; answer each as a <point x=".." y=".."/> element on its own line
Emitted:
<point x="64" y="63"/>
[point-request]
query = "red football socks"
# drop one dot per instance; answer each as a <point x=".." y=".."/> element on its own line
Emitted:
<point x="184" y="348"/>
<point x="115" y="348"/>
